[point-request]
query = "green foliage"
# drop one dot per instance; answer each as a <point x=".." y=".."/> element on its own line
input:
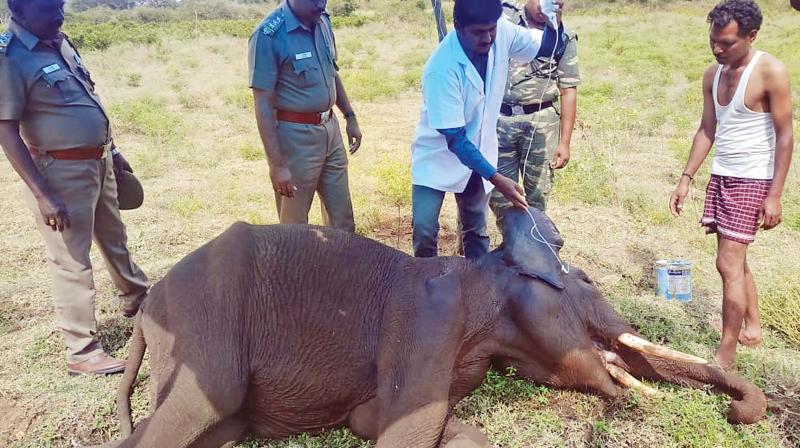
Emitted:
<point x="343" y="8"/>
<point x="82" y="5"/>
<point x="100" y="36"/>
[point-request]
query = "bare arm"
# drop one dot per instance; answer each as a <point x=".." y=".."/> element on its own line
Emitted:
<point x="569" y="107"/>
<point x="52" y="208"/>
<point x="701" y="145"/>
<point x="267" y="122"/>
<point x="352" y="128"/>
<point x="779" y="94"/>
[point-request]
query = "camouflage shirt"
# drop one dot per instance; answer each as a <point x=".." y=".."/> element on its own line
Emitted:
<point x="526" y="82"/>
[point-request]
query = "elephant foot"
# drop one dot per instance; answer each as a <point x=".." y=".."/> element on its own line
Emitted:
<point x="461" y="435"/>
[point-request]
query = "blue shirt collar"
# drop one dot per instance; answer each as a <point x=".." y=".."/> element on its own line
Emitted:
<point x="26" y="37"/>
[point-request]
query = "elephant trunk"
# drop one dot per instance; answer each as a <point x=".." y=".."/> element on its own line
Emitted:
<point x="643" y="359"/>
<point x="748" y="405"/>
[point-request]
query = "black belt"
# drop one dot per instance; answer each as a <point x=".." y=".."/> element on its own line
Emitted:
<point x="509" y="110"/>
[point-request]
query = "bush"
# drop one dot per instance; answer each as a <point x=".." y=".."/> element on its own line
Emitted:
<point x="343" y="8"/>
<point x="88" y="34"/>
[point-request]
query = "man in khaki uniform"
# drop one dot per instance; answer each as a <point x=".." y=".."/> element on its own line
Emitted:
<point x="293" y="74"/>
<point x="538" y="112"/>
<point x="57" y="136"/>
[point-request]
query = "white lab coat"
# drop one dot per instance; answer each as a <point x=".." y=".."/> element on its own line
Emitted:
<point x="454" y="96"/>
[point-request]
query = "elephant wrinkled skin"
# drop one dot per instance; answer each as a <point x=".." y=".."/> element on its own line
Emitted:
<point x="278" y="330"/>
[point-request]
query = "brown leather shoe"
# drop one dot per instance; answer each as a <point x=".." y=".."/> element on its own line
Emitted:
<point x="101" y="364"/>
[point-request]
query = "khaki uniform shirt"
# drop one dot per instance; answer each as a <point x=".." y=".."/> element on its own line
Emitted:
<point x="50" y="93"/>
<point x="542" y="79"/>
<point x="297" y="63"/>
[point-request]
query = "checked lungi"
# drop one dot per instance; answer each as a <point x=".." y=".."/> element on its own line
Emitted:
<point x="733" y="206"/>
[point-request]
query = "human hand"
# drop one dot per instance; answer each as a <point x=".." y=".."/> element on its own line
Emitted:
<point x="54" y="211"/>
<point x="353" y="134"/>
<point x="560" y="157"/>
<point x="281" y="178"/>
<point x="771" y="211"/>
<point x="510" y="189"/>
<point x="677" y="198"/>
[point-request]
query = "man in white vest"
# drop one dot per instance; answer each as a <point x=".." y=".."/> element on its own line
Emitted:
<point x="747" y="115"/>
<point x="455" y="144"/>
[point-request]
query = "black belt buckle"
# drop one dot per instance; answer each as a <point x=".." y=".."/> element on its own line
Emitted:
<point x="513" y="110"/>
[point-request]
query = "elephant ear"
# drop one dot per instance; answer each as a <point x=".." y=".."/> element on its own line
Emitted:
<point x="523" y="250"/>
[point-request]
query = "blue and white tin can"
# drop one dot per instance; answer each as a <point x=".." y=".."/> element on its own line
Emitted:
<point x="674" y="280"/>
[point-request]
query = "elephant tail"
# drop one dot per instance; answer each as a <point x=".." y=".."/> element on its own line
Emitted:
<point x="135" y="356"/>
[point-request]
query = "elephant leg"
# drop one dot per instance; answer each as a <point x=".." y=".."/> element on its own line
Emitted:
<point x="193" y="413"/>
<point x="584" y="370"/>
<point x="461" y="435"/>
<point x="223" y="435"/>
<point x="362" y="421"/>
<point x="416" y="356"/>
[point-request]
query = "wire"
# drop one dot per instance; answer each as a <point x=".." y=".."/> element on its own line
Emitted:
<point x="535" y="227"/>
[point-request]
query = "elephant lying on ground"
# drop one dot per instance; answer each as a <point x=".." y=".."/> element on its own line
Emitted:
<point x="278" y="330"/>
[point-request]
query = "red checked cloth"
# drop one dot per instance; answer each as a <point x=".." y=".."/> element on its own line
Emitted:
<point x="733" y="205"/>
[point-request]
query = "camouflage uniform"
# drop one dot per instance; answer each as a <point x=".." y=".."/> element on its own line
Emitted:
<point x="537" y="82"/>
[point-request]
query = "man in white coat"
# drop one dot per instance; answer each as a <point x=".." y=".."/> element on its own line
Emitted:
<point x="455" y="144"/>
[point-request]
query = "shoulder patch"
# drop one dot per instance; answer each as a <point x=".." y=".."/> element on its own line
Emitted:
<point x="272" y="23"/>
<point x="5" y="40"/>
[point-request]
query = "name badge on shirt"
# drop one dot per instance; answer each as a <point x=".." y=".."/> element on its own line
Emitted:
<point x="51" y="68"/>
<point x="301" y="56"/>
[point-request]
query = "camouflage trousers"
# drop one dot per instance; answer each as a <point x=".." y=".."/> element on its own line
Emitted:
<point x="539" y="131"/>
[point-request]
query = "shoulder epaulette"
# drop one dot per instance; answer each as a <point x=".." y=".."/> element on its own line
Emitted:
<point x="5" y="40"/>
<point x="511" y="5"/>
<point x="273" y="22"/>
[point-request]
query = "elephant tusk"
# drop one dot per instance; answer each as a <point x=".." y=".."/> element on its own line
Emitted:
<point x="629" y="381"/>
<point x="645" y="346"/>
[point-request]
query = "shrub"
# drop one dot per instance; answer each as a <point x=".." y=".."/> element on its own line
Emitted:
<point x="343" y="8"/>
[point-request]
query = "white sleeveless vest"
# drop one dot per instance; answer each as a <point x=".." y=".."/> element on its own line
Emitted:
<point x="745" y="140"/>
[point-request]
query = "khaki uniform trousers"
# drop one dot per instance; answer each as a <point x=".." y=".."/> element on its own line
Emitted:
<point x="89" y="190"/>
<point x="318" y="162"/>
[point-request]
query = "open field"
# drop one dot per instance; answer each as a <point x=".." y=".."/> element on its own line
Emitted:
<point x="184" y="119"/>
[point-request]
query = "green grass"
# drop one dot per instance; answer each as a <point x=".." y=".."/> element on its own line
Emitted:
<point x="586" y="180"/>
<point x="372" y="84"/>
<point x="780" y="307"/>
<point x="148" y="116"/>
